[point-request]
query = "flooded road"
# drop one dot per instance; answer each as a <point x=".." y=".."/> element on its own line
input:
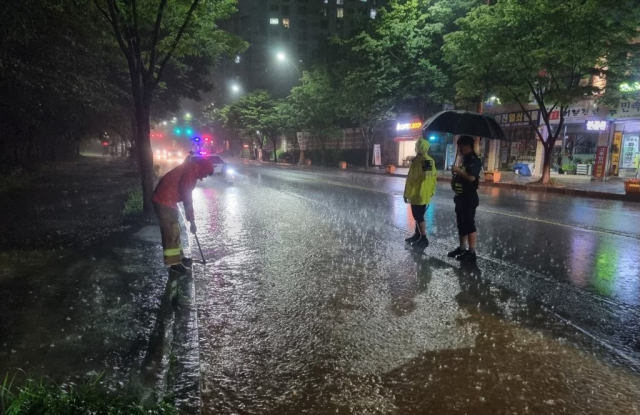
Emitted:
<point x="311" y="303"/>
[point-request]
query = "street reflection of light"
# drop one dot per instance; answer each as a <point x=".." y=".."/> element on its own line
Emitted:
<point x="606" y="269"/>
<point x="232" y="221"/>
<point x="583" y="248"/>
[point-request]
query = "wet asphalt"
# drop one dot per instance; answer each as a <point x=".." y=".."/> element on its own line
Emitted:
<point x="311" y="303"/>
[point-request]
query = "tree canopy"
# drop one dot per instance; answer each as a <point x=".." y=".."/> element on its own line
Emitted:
<point x="547" y="52"/>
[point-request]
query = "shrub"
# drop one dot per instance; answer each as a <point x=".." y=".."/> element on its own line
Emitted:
<point x="134" y="205"/>
<point x="47" y="398"/>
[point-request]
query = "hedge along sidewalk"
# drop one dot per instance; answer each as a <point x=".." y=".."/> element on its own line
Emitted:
<point x="578" y="188"/>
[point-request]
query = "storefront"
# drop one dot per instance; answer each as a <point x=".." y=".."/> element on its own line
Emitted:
<point x="626" y="138"/>
<point x="584" y="129"/>
<point x="521" y="143"/>
<point x="407" y="132"/>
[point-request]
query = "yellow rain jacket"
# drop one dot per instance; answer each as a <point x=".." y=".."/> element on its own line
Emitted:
<point x="421" y="180"/>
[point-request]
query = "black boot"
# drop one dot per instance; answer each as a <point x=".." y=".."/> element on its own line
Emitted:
<point x="421" y="243"/>
<point x="187" y="262"/>
<point x="413" y="238"/>
<point x="179" y="269"/>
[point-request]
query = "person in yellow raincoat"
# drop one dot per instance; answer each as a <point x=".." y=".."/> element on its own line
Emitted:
<point x="418" y="190"/>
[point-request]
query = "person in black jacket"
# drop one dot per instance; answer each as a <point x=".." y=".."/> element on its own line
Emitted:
<point x="465" y="183"/>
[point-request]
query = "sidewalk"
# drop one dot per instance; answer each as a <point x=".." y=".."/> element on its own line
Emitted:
<point x="570" y="185"/>
<point x="107" y="306"/>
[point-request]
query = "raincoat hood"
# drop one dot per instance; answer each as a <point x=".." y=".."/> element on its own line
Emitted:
<point x="204" y="167"/>
<point x="422" y="146"/>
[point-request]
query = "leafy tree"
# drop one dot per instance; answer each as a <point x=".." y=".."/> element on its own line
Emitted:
<point x="53" y="68"/>
<point x="152" y="34"/>
<point x="258" y="111"/>
<point x="550" y="52"/>
<point x="399" y="59"/>
<point x="315" y="105"/>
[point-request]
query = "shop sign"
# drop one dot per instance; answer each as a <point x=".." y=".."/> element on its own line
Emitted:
<point x="596" y="125"/>
<point x="601" y="161"/>
<point x="578" y="113"/>
<point x="416" y="125"/>
<point x="628" y="108"/>
<point x="615" y="153"/>
<point x="629" y="150"/>
<point x="518" y="119"/>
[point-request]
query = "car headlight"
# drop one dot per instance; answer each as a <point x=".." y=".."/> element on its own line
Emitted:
<point x="231" y="171"/>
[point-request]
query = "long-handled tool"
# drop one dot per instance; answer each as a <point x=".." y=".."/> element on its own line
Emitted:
<point x="200" y="248"/>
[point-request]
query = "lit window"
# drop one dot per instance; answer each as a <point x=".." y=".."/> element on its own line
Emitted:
<point x="285" y="22"/>
<point x="274" y="20"/>
<point x="373" y="13"/>
<point x="339" y="1"/>
<point x="340" y="12"/>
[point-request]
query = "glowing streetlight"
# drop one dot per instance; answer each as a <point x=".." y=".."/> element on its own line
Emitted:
<point x="187" y="116"/>
<point x="164" y="123"/>
<point x="235" y="88"/>
<point x="283" y="58"/>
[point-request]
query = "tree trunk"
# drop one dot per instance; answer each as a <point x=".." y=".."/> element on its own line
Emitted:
<point x="275" y="152"/>
<point x="301" y="159"/>
<point x="546" y="165"/>
<point x="145" y="153"/>
<point x="366" y="162"/>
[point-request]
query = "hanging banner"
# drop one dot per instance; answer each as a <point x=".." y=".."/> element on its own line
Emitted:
<point x="615" y="153"/>
<point x="629" y="150"/>
<point x="377" y="155"/>
<point x="601" y="162"/>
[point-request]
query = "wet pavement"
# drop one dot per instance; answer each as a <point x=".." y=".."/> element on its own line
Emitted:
<point x="312" y="304"/>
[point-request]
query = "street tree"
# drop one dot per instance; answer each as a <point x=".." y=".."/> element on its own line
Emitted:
<point x="399" y="60"/>
<point x="53" y="78"/>
<point x="547" y="52"/>
<point x="258" y="112"/>
<point x="154" y="35"/>
<point x="315" y="105"/>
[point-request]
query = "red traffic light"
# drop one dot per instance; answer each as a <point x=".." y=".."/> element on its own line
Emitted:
<point x="105" y="143"/>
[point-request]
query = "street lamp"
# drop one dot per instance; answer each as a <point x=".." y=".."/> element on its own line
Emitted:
<point x="187" y="116"/>
<point x="235" y="88"/>
<point x="283" y="58"/>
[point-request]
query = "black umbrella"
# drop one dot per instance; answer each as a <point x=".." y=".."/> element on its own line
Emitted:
<point x="464" y="123"/>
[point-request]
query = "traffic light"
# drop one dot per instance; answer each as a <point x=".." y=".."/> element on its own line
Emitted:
<point x="177" y="131"/>
<point x="188" y="131"/>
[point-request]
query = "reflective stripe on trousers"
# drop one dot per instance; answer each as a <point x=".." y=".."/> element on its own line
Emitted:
<point x="170" y="231"/>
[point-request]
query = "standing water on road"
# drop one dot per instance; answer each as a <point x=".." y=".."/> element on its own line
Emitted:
<point x="311" y="304"/>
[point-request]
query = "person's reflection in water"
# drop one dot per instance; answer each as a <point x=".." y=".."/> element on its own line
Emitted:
<point x="404" y="288"/>
<point x="474" y="291"/>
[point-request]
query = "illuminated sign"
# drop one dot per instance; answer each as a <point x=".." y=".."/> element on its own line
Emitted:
<point x="596" y="125"/>
<point x="408" y="126"/>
